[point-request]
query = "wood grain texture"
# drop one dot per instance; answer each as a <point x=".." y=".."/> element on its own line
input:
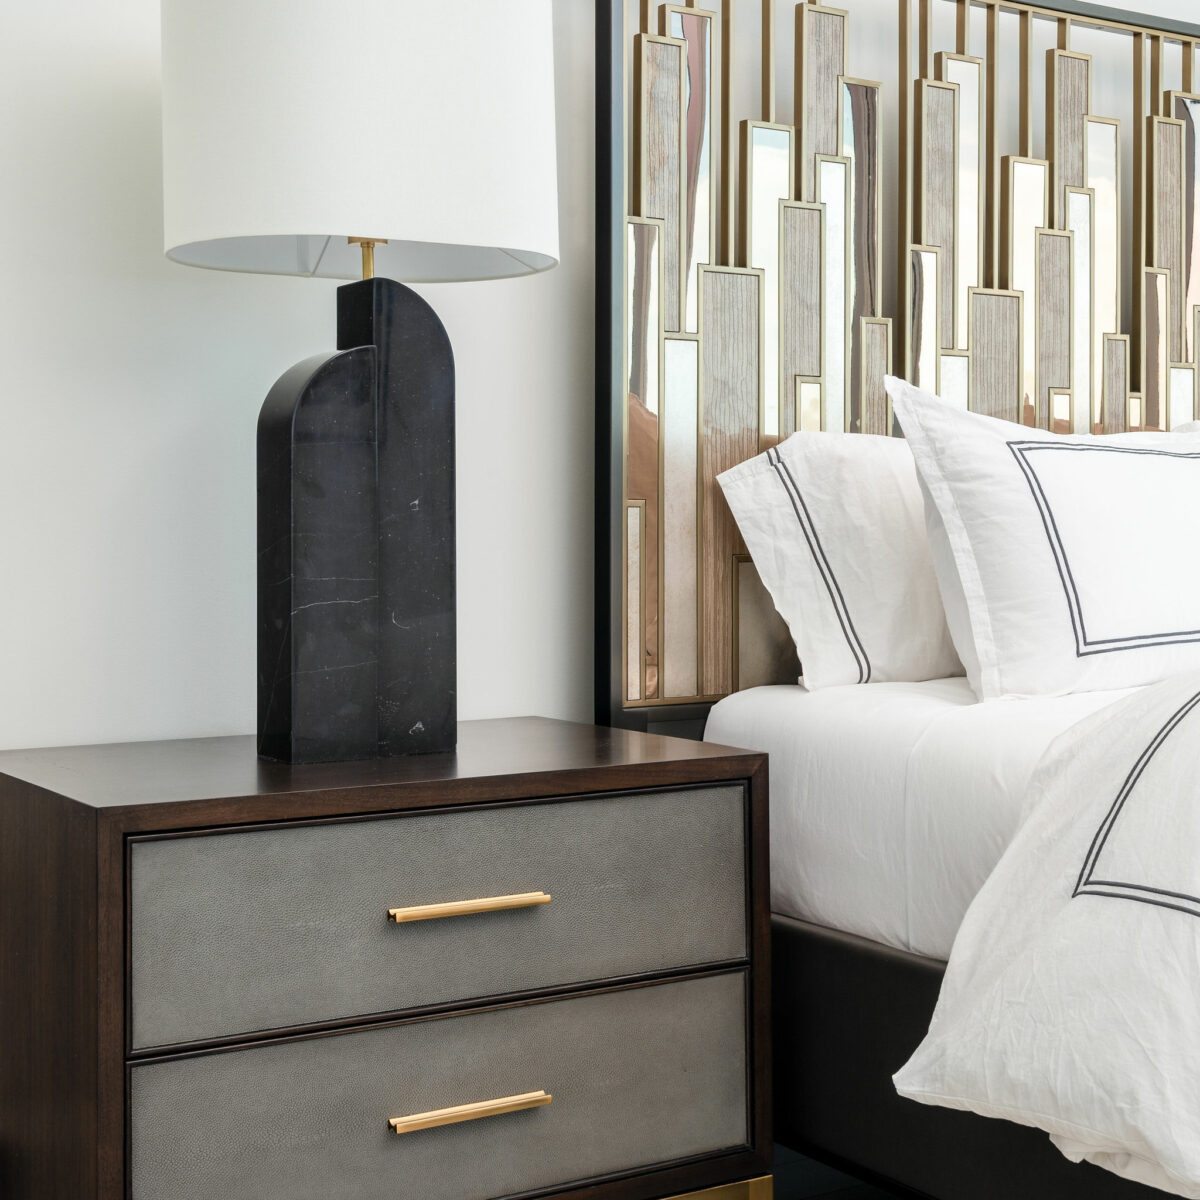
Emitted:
<point x="1166" y="233"/>
<point x="936" y="190"/>
<point x="820" y="59"/>
<point x="730" y="380"/>
<point x="861" y="144"/>
<point x="1115" y="384"/>
<point x="800" y="301"/>
<point x="65" y="814"/>
<point x="660" y="156"/>
<point x="1053" y="318"/>
<point x="876" y="338"/>
<point x="1156" y="340"/>
<point x="996" y="360"/>
<point x="48" y="996"/>
<point x="1068" y="101"/>
<point x="967" y="73"/>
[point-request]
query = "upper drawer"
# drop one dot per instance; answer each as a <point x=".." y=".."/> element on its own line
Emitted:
<point x="267" y="929"/>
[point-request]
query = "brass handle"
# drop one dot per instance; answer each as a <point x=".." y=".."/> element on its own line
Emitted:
<point x="463" y="908"/>
<point x="469" y="1112"/>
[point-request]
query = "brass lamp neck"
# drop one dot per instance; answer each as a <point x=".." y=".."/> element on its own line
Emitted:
<point x="368" y="253"/>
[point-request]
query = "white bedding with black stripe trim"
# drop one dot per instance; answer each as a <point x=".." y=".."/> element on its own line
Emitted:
<point x="1072" y="998"/>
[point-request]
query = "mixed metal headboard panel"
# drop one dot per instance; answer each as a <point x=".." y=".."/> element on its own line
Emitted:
<point x="998" y="201"/>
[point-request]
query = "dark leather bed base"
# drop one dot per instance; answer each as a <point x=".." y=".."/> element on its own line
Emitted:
<point x="847" y="1013"/>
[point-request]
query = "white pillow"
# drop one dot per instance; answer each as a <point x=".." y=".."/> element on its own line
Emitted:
<point x="834" y="524"/>
<point x="1067" y="563"/>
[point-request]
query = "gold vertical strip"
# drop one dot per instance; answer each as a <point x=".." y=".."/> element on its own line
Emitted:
<point x="1165" y="230"/>
<point x="1137" y="293"/>
<point x="936" y="189"/>
<point x="1064" y="33"/>
<point x="1081" y="206"/>
<point x="820" y="60"/>
<point x="701" y="194"/>
<point x="1186" y="108"/>
<point x="730" y="383"/>
<point x="802" y="236"/>
<point x="1104" y="181"/>
<point x="728" y="140"/>
<point x="767" y="173"/>
<point x="1026" y="208"/>
<point x="997" y="366"/>
<point x="1052" y="303"/>
<point x="1025" y="82"/>
<point x="1156" y="308"/>
<point x="680" y="517"/>
<point x="962" y="27"/>
<point x="768" y="167"/>
<point x="991" y="271"/>
<point x="1188" y="52"/>
<point x="660" y="125"/>
<point x="1156" y="75"/>
<point x="859" y="121"/>
<point x="925" y="42"/>
<point x="923" y="356"/>
<point x="833" y="190"/>
<point x="875" y="336"/>
<point x="1115" y="384"/>
<point x="904" y="221"/>
<point x="967" y="74"/>
<point x="768" y="61"/>
<point x="635" y="568"/>
<point x="644" y="319"/>
<point x="1068" y="102"/>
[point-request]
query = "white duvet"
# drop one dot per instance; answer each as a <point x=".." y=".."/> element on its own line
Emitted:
<point x="1072" y="997"/>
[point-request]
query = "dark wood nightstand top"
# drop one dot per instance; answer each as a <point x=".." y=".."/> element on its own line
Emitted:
<point x="560" y="756"/>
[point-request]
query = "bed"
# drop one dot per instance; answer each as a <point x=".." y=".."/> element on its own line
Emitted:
<point x="879" y="845"/>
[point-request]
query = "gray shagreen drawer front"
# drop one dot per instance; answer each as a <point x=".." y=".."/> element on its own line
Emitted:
<point x="237" y="932"/>
<point x="638" y="1077"/>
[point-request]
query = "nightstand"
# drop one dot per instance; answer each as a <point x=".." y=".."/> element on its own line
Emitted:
<point x="536" y="967"/>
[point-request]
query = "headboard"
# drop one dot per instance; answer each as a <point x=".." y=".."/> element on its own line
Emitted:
<point x="998" y="201"/>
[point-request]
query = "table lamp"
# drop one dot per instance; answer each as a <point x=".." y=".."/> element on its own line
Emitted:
<point x="412" y="137"/>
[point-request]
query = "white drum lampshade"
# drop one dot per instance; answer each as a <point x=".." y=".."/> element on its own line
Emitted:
<point x="292" y="125"/>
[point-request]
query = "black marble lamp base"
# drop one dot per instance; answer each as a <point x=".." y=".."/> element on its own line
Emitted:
<point x="356" y="592"/>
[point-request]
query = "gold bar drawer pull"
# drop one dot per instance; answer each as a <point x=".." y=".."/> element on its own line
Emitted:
<point x="469" y="1112"/>
<point x="463" y="908"/>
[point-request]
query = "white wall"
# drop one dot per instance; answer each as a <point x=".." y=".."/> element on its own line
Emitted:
<point x="132" y="388"/>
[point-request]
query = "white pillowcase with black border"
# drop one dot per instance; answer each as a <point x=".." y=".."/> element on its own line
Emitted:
<point x="834" y="523"/>
<point x="1067" y="563"/>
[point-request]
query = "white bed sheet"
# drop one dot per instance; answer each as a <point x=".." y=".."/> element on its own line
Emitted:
<point x="892" y="802"/>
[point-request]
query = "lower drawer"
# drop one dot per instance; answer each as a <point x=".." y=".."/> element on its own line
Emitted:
<point x="638" y="1077"/>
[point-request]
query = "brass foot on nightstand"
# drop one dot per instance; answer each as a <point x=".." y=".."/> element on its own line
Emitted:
<point x="750" y="1189"/>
